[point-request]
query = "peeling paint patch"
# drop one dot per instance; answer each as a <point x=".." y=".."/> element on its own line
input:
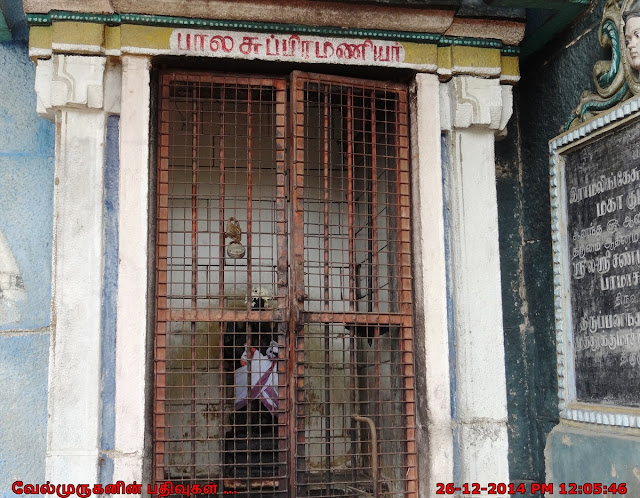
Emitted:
<point x="636" y="473"/>
<point x="614" y="472"/>
<point x="566" y="440"/>
<point x="12" y="287"/>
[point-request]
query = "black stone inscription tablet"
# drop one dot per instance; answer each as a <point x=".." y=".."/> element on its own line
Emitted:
<point x="602" y="208"/>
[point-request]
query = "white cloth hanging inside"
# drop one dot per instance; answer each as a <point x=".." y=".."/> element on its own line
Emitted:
<point x="264" y="379"/>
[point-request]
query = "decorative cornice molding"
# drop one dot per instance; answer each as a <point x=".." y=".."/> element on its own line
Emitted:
<point x="509" y="50"/>
<point x="182" y="22"/>
<point x="469" y="42"/>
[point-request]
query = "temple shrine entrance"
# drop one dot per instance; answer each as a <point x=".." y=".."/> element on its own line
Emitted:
<point x="283" y="357"/>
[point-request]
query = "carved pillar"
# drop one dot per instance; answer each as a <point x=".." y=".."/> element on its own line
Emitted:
<point x="70" y="91"/>
<point x="473" y="111"/>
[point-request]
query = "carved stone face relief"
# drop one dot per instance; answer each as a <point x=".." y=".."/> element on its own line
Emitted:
<point x="632" y="39"/>
<point x="628" y="20"/>
<point x="616" y="79"/>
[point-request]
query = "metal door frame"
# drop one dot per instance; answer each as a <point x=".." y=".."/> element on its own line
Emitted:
<point x="299" y="317"/>
<point x="164" y="314"/>
<point x="290" y="313"/>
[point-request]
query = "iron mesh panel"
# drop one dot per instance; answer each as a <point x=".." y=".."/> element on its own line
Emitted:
<point x="221" y="164"/>
<point x="354" y="348"/>
<point x="343" y="375"/>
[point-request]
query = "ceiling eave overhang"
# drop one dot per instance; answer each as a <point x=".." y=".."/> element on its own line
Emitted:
<point x="432" y="18"/>
<point x="553" y="16"/>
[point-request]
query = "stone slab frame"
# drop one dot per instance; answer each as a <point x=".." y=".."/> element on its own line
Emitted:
<point x="570" y="408"/>
<point x="462" y="397"/>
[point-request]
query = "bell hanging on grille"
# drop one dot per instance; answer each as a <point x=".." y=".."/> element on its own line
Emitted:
<point x="235" y="249"/>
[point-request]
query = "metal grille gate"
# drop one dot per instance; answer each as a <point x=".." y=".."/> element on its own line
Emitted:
<point x="263" y="387"/>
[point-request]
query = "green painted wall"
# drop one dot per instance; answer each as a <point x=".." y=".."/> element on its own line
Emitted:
<point x="527" y="320"/>
<point x="5" y="33"/>
<point x="552" y="81"/>
<point x="602" y="455"/>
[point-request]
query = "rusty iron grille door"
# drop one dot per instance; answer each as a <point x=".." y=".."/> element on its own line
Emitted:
<point x="283" y="348"/>
<point x="354" y="423"/>
<point x="222" y="278"/>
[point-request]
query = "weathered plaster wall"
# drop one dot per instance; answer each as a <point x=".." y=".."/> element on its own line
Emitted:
<point x="23" y="408"/>
<point x="593" y="456"/>
<point x="26" y="206"/>
<point x="521" y="336"/>
<point x="550" y="89"/>
<point x="26" y="196"/>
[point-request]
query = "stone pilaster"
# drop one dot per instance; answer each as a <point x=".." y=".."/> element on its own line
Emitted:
<point x="133" y="304"/>
<point x="474" y="110"/>
<point x="70" y="91"/>
<point x="435" y="436"/>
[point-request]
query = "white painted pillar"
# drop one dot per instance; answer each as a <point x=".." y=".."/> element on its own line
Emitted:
<point x="475" y="110"/>
<point x="71" y="89"/>
<point x="133" y="304"/>
<point x="435" y="437"/>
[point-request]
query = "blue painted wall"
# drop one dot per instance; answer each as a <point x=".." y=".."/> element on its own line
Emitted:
<point x="26" y="219"/>
<point x="23" y="409"/>
<point x="26" y="186"/>
<point x="109" y="299"/>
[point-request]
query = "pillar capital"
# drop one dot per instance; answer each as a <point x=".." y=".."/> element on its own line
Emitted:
<point x="69" y="81"/>
<point x="469" y="101"/>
